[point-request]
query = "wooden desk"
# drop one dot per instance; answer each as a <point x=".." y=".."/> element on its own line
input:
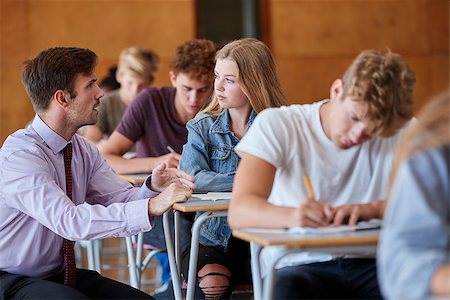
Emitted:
<point x="201" y="205"/>
<point x="346" y="242"/>
<point x="211" y="209"/>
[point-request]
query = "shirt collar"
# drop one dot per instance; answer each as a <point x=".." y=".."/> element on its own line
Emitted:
<point x="222" y="124"/>
<point x="54" y="141"/>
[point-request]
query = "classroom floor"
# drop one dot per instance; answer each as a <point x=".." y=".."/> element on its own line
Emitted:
<point x="114" y="264"/>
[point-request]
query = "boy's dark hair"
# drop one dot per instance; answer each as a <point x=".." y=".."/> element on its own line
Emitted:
<point x="109" y="82"/>
<point x="55" y="69"/>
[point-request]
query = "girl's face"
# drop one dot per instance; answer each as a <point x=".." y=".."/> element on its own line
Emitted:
<point x="226" y="85"/>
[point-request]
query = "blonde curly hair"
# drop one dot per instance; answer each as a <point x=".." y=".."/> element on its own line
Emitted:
<point x="385" y="82"/>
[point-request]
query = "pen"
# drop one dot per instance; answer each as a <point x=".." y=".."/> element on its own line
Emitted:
<point x="170" y="149"/>
<point x="309" y="187"/>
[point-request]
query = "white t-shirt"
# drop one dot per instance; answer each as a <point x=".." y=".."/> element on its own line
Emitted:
<point x="292" y="139"/>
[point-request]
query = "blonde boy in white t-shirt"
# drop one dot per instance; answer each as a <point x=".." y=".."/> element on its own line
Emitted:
<point x="345" y="145"/>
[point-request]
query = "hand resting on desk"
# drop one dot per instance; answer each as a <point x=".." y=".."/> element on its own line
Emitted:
<point x="174" y="193"/>
<point x="311" y="213"/>
<point x="352" y="213"/>
<point x="363" y="225"/>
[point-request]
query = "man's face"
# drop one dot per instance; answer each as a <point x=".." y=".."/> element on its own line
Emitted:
<point x="83" y="107"/>
<point x="191" y="94"/>
<point x="349" y="125"/>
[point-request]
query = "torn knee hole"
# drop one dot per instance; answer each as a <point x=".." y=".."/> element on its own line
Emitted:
<point x="214" y="285"/>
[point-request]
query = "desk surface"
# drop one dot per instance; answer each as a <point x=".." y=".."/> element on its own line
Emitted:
<point x="281" y="237"/>
<point x="202" y="205"/>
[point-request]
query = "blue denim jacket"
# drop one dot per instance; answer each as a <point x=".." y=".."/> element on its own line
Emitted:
<point x="209" y="156"/>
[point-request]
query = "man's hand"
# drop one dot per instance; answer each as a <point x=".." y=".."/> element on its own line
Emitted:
<point x="174" y="193"/>
<point x="162" y="177"/>
<point x="313" y="213"/>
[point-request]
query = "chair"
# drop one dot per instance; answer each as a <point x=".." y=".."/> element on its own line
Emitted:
<point x="93" y="254"/>
<point x="135" y="246"/>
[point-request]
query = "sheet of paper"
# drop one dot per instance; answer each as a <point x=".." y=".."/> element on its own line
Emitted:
<point x="365" y="225"/>
<point x="214" y="196"/>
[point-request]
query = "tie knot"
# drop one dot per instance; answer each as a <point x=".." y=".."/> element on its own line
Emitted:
<point x="68" y="151"/>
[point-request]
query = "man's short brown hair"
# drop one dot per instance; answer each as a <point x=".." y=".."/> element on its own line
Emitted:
<point x="55" y="69"/>
<point x="385" y="82"/>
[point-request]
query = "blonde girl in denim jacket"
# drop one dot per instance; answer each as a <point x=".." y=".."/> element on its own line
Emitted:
<point x="246" y="82"/>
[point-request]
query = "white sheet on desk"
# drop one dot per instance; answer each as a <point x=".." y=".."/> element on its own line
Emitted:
<point x="364" y="225"/>
<point x="214" y="196"/>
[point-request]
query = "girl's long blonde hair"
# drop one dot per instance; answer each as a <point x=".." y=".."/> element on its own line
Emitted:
<point x="432" y="130"/>
<point x="257" y="76"/>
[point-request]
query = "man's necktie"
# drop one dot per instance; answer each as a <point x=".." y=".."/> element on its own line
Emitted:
<point x="69" y="253"/>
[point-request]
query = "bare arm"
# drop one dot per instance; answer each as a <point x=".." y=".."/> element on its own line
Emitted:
<point x="117" y="145"/>
<point x="440" y="283"/>
<point x="93" y="133"/>
<point x="249" y="206"/>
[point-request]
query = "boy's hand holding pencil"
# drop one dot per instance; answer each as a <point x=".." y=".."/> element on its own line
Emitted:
<point x="312" y="213"/>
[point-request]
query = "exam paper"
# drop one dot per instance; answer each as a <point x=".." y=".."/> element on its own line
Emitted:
<point x="364" y="225"/>
<point x="214" y="196"/>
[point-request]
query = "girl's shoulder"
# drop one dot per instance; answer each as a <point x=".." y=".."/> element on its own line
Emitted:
<point x="203" y="118"/>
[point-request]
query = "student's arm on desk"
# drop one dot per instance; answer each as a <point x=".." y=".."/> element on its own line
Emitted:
<point x="117" y="145"/>
<point x="249" y="206"/>
<point x="94" y="134"/>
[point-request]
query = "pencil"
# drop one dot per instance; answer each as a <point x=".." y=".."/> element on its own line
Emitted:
<point x="309" y="187"/>
<point x="170" y="149"/>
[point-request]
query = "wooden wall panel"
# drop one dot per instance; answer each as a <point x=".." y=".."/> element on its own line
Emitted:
<point x="438" y="29"/>
<point x="314" y="41"/>
<point x="439" y="73"/>
<point x="337" y="28"/>
<point x="106" y="27"/>
<point x="308" y="79"/>
<point x="15" y="109"/>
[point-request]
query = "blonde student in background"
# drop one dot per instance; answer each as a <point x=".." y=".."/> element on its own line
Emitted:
<point x="345" y="145"/>
<point x="414" y="250"/>
<point x="136" y="71"/>
<point x="246" y="83"/>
